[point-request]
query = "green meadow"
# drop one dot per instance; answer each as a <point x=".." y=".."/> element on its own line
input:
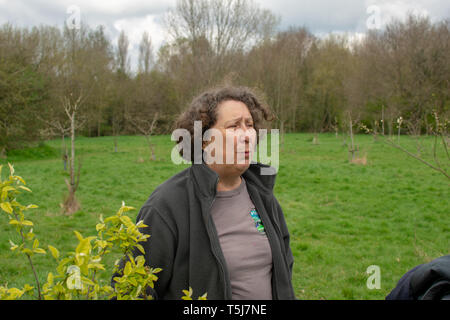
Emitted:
<point x="392" y="212"/>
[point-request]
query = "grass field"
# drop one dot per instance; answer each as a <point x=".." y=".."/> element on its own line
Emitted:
<point x="392" y="212"/>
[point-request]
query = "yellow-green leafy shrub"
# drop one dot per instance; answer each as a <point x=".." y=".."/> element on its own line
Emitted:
<point x="77" y="272"/>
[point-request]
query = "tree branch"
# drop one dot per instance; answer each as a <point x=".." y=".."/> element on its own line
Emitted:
<point x="418" y="158"/>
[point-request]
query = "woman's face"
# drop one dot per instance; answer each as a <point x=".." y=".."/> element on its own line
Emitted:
<point x="235" y="130"/>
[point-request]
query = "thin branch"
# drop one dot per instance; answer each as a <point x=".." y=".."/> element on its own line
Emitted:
<point x="56" y="124"/>
<point x="444" y="142"/>
<point x="77" y="179"/>
<point x="418" y="158"/>
<point x="31" y="263"/>
<point x="155" y="118"/>
<point x="434" y="151"/>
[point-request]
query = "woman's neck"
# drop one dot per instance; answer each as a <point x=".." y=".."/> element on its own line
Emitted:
<point x="227" y="181"/>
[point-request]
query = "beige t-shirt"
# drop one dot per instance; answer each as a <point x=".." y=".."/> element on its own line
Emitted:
<point x="244" y="244"/>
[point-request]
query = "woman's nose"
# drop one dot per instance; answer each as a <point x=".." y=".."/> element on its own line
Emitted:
<point x="245" y="134"/>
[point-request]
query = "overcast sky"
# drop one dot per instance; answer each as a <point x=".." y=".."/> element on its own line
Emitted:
<point x="136" y="16"/>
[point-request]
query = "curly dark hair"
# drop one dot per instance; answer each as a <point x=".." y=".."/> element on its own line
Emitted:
<point x="204" y="108"/>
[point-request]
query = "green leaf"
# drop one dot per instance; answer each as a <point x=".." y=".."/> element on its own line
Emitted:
<point x="27" y="251"/>
<point x="29" y="235"/>
<point x="27" y="288"/>
<point x="6" y="206"/>
<point x="39" y="250"/>
<point x="133" y="282"/>
<point x="27" y="223"/>
<point x="8" y="188"/>
<point x="50" y="278"/>
<point x="14" y="222"/>
<point x="141" y="224"/>
<point x="79" y="236"/>
<point x="113" y="219"/>
<point x="126" y="221"/>
<point x="156" y="270"/>
<point x="96" y="266"/>
<point x="53" y="251"/>
<point x="11" y="169"/>
<point x="125" y="208"/>
<point x="87" y="281"/>
<point x="101" y="244"/>
<point x="15" y="293"/>
<point x="187" y="294"/>
<point x="141" y="248"/>
<point x="127" y="269"/>
<point x="84" y="246"/>
<point x="62" y="265"/>
<point x="13" y="245"/>
<point x="119" y="279"/>
<point x="203" y="297"/>
<point x="25" y="188"/>
<point x="20" y="179"/>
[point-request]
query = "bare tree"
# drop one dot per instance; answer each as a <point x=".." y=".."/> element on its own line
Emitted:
<point x="75" y="85"/>
<point x="146" y="126"/>
<point x="145" y="53"/>
<point x="440" y="161"/>
<point x="278" y="67"/>
<point x="59" y="127"/>
<point x="71" y="107"/>
<point x="209" y="35"/>
<point x="122" y="58"/>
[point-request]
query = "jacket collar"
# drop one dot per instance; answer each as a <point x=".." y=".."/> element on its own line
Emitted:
<point x="207" y="179"/>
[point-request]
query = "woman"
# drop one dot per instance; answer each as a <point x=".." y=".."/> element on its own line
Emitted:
<point x="216" y="226"/>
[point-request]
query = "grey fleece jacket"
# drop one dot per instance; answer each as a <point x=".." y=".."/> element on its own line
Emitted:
<point x="184" y="240"/>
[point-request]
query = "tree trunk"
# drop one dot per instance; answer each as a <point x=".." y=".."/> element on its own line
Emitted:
<point x="315" y="138"/>
<point x="115" y="143"/>
<point x="64" y="152"/>
<point x="351" y="138"/>
<point x="71" y="204"/>
<point x="152" y="148"/>
<point x="294" y="113"/>
<point x="72" y="146"/>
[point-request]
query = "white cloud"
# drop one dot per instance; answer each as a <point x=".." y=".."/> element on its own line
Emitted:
<point x="323" y="16"/>
<point x="399" y="9"/>
<point x="318" y="15"/>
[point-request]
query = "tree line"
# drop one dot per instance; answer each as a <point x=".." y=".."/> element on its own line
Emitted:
<point x="55" y="80"/>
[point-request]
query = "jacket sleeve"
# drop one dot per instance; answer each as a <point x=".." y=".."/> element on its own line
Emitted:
<point x="285" y="235"/>
<point x="159" y="249"/>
